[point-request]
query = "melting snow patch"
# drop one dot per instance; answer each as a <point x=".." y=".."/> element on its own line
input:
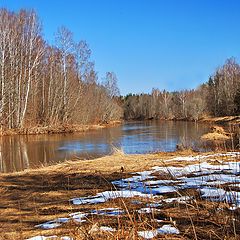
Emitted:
<point x="37" y="238"/>
<point x="165" y="229"/>
<point x="153" y="205"/>
<point x="148" y="234"/>
<point x="184" y="158"/>
<point x="199" y="157"/>
<point x="168" y="229"/>
<point x="78" y="216"/>
<point x="147" y="210"/>
<point x="107" y="195"/>
<point x="182" y="199"/>
<point x="107" y="229"/>
<point x="108" y="211"/>
<point x="88" y="200"/>
<point x="157" y="182"/>
<point x="213" y="193"/>
<point x="49" y="238"/>
<point x="163" y="189"/>
<point x="52" y="224"/>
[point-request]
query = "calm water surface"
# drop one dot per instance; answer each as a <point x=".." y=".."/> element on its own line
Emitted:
<point x="20" y="152"/>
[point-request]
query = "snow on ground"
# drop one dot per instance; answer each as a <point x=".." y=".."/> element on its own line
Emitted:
<point x="108" y="211"/>
<point x="165" y="229"/>
<point x="207" y="178"/>
<point x="50" y="238"/>
<point x="107" y="229"/>
<point x="107" y="195"/>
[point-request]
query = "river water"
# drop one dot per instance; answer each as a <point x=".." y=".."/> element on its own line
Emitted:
<point x="20" y="152"/>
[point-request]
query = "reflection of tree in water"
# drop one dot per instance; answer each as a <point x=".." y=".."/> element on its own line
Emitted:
<point x="14" y="155"/>
<point x="21" y="152"/>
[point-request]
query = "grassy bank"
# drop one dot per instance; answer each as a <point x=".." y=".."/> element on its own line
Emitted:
<point x="57" y="129"/>
<point x="36" y="196"/>
<point x="222" y="120"/>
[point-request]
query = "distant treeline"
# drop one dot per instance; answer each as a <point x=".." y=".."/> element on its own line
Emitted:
<point x="220" y="96"/>
<point x="42" y="84"/>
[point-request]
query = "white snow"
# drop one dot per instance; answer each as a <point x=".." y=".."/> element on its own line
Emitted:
<point x="157" y="182"/>
<point x="78" y="216"/>
<point x="181" y="199"/>
<point x="107" y="195"/>
<point x="108" y="211"/>
<point x="49" y="238"/>
<point x="209" y="192"/>
<point x="148" y="234"/>
<point x="147" y="210"/>
<point x="49" y="224"/>
<point x="168" y="229"/>
<point x="165" y="229"/>
<point x="163" y="189"/>
<point x="107" y="229"/>
<point x="200" y="157"/>
<point x="88" y="200"/>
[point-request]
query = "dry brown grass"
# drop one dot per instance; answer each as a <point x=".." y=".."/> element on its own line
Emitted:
<point x="218" y="134"/>
<point x="220" y="120"/>
<point x="38" y="195"/>
<point x="215" y="136"/>
<point x="57" y="129"/>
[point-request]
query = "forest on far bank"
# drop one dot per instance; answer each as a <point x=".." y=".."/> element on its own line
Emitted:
<point x="43" y="85"/>
<point x="220" y="96"/>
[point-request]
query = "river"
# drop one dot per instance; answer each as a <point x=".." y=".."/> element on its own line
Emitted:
<point x="21" y="152"/>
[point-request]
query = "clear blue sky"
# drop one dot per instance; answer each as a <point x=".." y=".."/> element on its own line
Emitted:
<point x="169" y="44"/>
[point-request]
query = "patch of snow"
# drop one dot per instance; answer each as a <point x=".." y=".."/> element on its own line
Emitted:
<point x="190" y="158"/>
<point x="148" y="234"/>
<point x="48" y="225"/>
<point x="78" y="216"/>
<point x="158" y="220"/>
<point x="235" y="185"/>
<point x="163" y="189"/>
<point x="49" y="238"/>
<point x="107" y="229"/>
<point x="147" y="210"/>
<point x="88" y="200"/>
<point x="213" y="193"/>
<point x="165" y="229"/>
<point x="200" y="157"/>
<point x="107" y="195"/>
<point x="108" y="211"/>
<point x="153" y="205"/>
<point x="141" y="177"/>
<point x="168" y="229"/>
<point x="182" y="199"/>
<point x="123" y="194"/>
<point x="37" y="238"/>
<point x="157" y="182"/>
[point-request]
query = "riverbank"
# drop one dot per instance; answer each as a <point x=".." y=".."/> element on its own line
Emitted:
<point x="61" y="129"/>
<point x="233" y="120"/>
<point x="55" y="200"/>
<point x="207" y="119"/>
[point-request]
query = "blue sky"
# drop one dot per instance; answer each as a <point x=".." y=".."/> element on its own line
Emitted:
<point x="167" y="44"/>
